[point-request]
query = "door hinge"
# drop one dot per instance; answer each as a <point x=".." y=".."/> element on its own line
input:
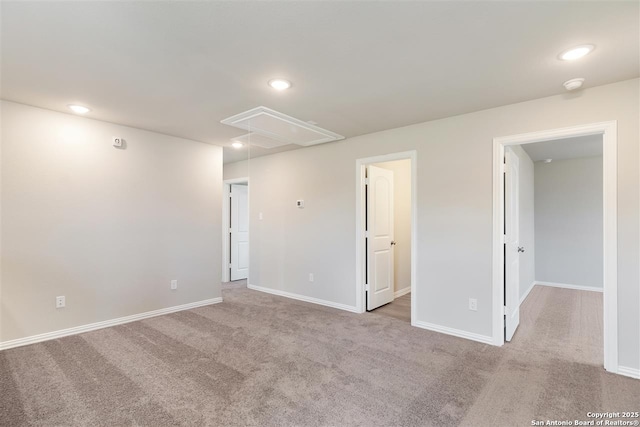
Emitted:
<point x="504" y="310"/>
<point x="504" y="238"/>
<point x="366" y="287"/>
<point x="230" y="230"/>
<point x="229" y="265"/>
<point x="366" y="181"/>
<point x="366" y="234"/>
<point x="503" y="168"/>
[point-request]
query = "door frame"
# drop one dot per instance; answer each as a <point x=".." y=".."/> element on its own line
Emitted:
<point x="608" y="130"/>
<point x="226" y="218"/>
<point x="361" y="264"/>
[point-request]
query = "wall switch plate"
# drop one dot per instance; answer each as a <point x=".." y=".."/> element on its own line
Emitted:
<point x="473" y="304"/>
<point x="60" y="302"/>
<point x="311" y="277"/>
<point x="174" y="285"/>
<point x="300" y="204"/>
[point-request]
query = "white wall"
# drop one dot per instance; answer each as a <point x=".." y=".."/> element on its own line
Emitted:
<point x="236" y="170"/>
<point x="526" y="223"/>
<point x="454" y="203"/>
<point x="402" y="221"/>
<point x="569" y="221"/>
<point x="107" y="228"/>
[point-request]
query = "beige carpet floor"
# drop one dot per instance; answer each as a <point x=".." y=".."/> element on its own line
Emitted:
<point x="262" y="360"/>
<point x="399" y="309"/>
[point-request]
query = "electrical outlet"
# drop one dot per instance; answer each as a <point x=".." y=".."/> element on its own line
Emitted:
<point x="60" y="302"/>
<point x="311" y="277"/>
<point x="174" y="285"/>
<point x="473" y="304"/>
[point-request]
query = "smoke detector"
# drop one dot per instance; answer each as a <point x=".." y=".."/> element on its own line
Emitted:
<point x="573" y="84"/>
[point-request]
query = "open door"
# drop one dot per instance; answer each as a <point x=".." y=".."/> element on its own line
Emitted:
<point x="512" y="239"/>
<point x="239" y="232"/>
<point x="380" y="242"/>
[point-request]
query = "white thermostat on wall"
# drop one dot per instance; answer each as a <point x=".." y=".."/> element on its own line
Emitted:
<point x="117" y="141"/>
<point x="300" y="203"/>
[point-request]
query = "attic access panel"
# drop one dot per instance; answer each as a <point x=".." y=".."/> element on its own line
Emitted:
<point x="257" y="140"/>
<point x="275" y="125"/>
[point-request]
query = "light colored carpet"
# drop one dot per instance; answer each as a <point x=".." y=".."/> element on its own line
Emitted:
<point x="399" y="309"/>
<point x="236" y="284"/>
<point x="263" y="360"/>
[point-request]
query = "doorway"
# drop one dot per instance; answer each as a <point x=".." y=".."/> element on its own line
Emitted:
<point x="506" y="243"/>
<point x="386" y="235"/>
<point x="235" y="230"/>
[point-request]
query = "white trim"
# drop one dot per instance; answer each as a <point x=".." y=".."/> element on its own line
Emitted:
<point x="402" y="292"/>
<point x="304" y="298"/>
<point x="498" y="242"/>
<point x="569" y="286"/>
<point x="104" y="324"/>
<point x="454" y="332"/>
<point x="608" y="130"/>
<point x="526" y="294"/>
<point x="226" y="206"/>
<point x="360" y="221"/>
<point x="610" y="244"/>
<point x="629" y="372"/>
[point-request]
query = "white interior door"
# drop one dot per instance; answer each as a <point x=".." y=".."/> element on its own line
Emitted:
<point x="239" y="232"/>
<point x="512" y="250"/>
<point x="380" y="237"/>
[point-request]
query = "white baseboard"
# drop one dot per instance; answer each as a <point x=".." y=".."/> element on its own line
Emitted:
<point x="104" y="324"/>
<point x="526" y="294"/>
<point x="402" y="292"/>
<point x="568" y="286"/>
<point x="454" y="332"/>
<point x="629" y="372"/>
<point x="304" y="298"/>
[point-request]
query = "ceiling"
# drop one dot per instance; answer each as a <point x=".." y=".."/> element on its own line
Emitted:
<point x="357" y="67"/>
<point x="568" y="148"/>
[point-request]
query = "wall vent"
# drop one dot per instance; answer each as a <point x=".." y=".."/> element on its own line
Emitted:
<point x="280" y="127"/>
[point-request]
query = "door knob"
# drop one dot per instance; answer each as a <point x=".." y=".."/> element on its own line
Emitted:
<point x="520" y="248"/>
<point x="393" y="243"/>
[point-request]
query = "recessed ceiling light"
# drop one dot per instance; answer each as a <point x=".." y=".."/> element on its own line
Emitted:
<point x="79" y="109"/>
<point x="548" y="160"/>
<point x="280" y="84"/>
<point x="576" y="52"/>
<point x="573" y="84"/>
<point x="237" y="145"/>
